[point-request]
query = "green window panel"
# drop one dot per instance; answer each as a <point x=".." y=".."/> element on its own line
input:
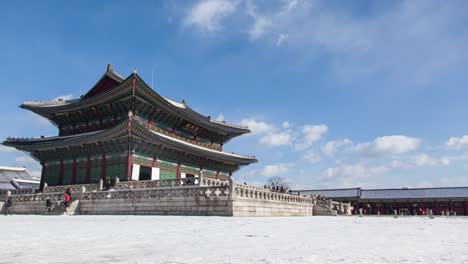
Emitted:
<point x="81" y="175"/>
<point x="165" y="165"/>
<point x="67" y="175"/>
<point x="190" y="170"/>
<point x="167" y="175"/>
<point x="95" y="174"/>
<point x="116" y="171"/>
<point x="142" y="161"/>
<point x="52" y="175"/>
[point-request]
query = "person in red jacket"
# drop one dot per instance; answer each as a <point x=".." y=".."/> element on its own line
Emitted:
<point x="67" y="199"/>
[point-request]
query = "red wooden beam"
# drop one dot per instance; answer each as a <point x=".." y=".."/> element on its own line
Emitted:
<point x="129" y="167"/>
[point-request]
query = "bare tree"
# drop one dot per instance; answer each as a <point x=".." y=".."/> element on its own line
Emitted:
<point x="278" y="181"/>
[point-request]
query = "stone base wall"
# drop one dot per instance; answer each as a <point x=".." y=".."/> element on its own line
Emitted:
<point x="233" y="200"/>
<point x="36" y="207"/>
<point x="259" y="207"/>
<point x="202" y="206"/>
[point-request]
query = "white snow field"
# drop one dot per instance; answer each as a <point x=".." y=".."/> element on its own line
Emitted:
<point x="178" y="239"/>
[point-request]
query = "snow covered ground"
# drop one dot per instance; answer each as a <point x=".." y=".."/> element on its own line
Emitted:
<point x="172" y="239"/>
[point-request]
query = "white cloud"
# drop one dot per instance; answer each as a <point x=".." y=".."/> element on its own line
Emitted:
<point x="313" y="133"/>
<point x="354" y="171"/>
<point x="420" y="160"/>
<point x="220" y="117"/>
<point x="332" y="146"/>
<point x="281" y="39"/>
<point x="311" y="157"/>
<point x="356" y="45"/>
<point x="285" y="125"/>
<point x="63" y="97"/>
<point x="5" y="149"/>
<point x="207" y="15"/>
<point x="28" y="162"/>
<point x="257" y="127"/>
<point x="260" y="23"/>
<point x="457" y="142"/>
<point x="276" y="139"/>
<point x="275" y="170"/>
<point x="388" y="145"/>
<point x="350" y="175"/>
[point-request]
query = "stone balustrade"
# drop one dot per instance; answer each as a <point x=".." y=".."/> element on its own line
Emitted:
<point x="247" y="191"/>
<point x="156" y="183"/>
<point x="213" y="182"/>
<point x="193" y="191"/>
<point x="37" y="197"/>
<point x="73" y="188"/>
<point x="16" y="192"/>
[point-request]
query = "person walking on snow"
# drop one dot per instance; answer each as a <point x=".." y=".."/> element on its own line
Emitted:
<point x="48" y="205"/>
<point x="8" y="205"/>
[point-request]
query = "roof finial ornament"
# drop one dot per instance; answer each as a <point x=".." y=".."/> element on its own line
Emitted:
<point x="183" y="102"/>
<point x="109" y="67"/>
<point x="135" y="70"/>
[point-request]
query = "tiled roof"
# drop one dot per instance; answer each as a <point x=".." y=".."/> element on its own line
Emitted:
<point x="382" y="194"/>
<point x="449" y="192"/>
<point x="334" y="193"/>
<point x="12" y="178"/>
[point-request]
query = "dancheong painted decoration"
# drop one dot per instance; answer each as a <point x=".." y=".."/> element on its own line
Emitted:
<point x="121" y="128"/>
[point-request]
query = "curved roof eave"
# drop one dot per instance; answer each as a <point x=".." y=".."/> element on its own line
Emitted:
<point x="30" y="145"/>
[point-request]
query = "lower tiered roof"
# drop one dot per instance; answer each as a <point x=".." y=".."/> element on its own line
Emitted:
<point x="128" y="135"/>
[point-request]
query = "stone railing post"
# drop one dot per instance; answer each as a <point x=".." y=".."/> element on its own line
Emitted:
<point x="200" y="178"/>
<point x="117" y="180"/>
<point x="100" y="184"/>
<point x="232" y="190"/>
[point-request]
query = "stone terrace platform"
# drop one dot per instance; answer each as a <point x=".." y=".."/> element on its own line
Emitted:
<point x="207" y="197"/>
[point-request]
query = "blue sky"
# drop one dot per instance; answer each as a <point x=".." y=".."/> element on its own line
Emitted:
<point x="338" y="94"/>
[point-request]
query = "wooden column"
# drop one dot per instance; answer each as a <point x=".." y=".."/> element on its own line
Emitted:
<point x="436" y="207"/>
<point x="220" y="147"/>
<point x="129" y="168"/>
<point x="43" y="175"/>
<point x="465" y="207"/>
<point x="178" y="170"/>
<point x="74" y="169"/>
<point x="88" y="170"/>
<point x="61" y="172"/>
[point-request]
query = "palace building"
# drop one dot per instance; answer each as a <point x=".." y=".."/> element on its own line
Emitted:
<point x="121" y="128"/>
<point x="404" y="200"/>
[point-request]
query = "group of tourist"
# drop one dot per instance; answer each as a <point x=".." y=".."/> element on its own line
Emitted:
<point x="322" y="198"/>
<point x="276" y="188"/>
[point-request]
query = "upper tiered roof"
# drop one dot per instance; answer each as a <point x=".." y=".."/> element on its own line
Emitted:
<point x="113" y="95"/>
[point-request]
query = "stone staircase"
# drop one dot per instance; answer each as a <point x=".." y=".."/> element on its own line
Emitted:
<point x="73" y="208"/>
